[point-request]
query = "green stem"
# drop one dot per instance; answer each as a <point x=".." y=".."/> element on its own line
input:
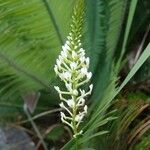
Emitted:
<point x="74" y="124"/>
<point x="74" y="115"/>
<point x="76" y="142"/>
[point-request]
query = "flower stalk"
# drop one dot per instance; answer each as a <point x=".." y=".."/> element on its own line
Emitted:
<point x="72" y="68"/>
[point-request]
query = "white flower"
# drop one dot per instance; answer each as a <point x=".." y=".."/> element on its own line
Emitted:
<point x="65" y="75"/>
<point x="91" y="88"/>
<point x="71" y="103"/>
<point x="89" y="75"/>
<point x="83" y="72"/>
<point x="73" y="65"/>
<point x="69" y="86"/>
<point x="56" y="69"/>
<point x="58" y="63"/>
<point x="81" y="102"/>
<point x="79" y="117"/>
<point x="82" y="92"/>
<point x="67" y="43"/>
<point x="79" y="44"/>
<point x="63" y="116"/>
<point x="82" y="52"/>
<point x="87" y="61"/>
<point x="66" y="47"/>
<point x="69" y="37"/>
<point x="62" y="105"/>
<point x="85" y="109"/>
<point x="57" y="89"/>
<point x="82" y="60"/>
<point x="64" y="54"/>
<point x="60" y="58"/>
<point x="74" y="55"/>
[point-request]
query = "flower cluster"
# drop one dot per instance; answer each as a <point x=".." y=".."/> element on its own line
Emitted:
<point x="72" y="68"/>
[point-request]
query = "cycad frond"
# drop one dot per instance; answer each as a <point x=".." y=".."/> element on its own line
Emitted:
<point x="104" y="25"/>
<point x="31" y="33"/>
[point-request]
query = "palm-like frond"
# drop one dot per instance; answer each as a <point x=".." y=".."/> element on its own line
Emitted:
<point x="104" y="25"/>
<point x="132" y="124"/>
<point x="32" y="33"/>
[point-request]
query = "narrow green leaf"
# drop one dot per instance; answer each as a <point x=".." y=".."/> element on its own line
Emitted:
<point x="99" y="124"/>
<point x="85" y="139"/>
<point x="69" y="145"/>
<point x="132" y="9"/>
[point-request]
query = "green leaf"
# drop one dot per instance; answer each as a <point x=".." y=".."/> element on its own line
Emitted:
<point x="70" y="145"/>
<point x="99" y="108"/>
<point x="31" y="37"/>
<point x="132" y="9"/>
<point x="104" y="20"/>
<point x="99" y="124"/>
<point x="85" y="139"/>
<point x="87" y="149"/>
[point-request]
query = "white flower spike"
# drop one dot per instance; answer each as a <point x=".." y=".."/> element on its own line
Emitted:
<point x="74" y="74"/>
<point x="72" y="67"/>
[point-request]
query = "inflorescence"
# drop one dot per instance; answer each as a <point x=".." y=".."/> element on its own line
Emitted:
<point x="72" y="68"/>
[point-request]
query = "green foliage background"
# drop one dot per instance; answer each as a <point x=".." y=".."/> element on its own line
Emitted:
<point x="31" y="35"/>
